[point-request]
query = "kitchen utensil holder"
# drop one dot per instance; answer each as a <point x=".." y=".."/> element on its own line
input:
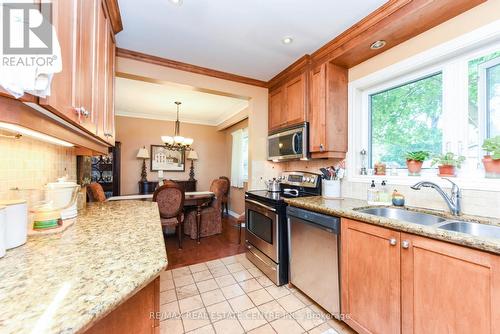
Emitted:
<point x="331" y="188"/>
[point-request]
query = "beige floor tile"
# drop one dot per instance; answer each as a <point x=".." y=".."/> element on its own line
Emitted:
<point x="251" y="319"/>
<point x="291" y="303"/>
<point x="250" y="285"/>
<point x="246" y="263"/>
<point x="219" y="271"/>
<point x="195" y="319"/>
<point x="228" y="326"/>
<point x="225" y="280"/>
<point x="207" y="285"/>
<point x="220" y="311"/>
<point x="167" y="274"/>
<point x="166" y="284"/>
<point x="190" y="304"/>
<point x="266" y="329"/>
<point x="171" y="326"/>
<point x="260" y="297"/>
<point x="255" y="272"/>
<point x="212" y="297"/>
<point x="277" y="291"/>
<point x="235" y="267"/>
<point x="264" y="281"/>
<point x="241" y="303"/>
<point x="202" y="276"/>
<point x="232" y="291"/>
<point x="195" y="268"/>
<point x="272" y="310"/>
<point x="167" y="296"/>
<point x="307" y="318"/>
<point x="170" y="310"/>
<point x="187" y="291"/>
<point x="323" y="329"/>
<point x="208" y="329"/>
<point x="181" y="272"/>
<point x="229" y="260"/>
<point x="183" y="280"/>
<point x="214" y="264"/>
<point x="287" y="325"/>
<point x="340" y="327"/>
<point x="303" y="298"/>
<point x="243" y="275"/>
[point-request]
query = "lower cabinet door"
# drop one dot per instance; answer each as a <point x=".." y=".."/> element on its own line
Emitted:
<point x="370" y="278"/>
<point x="448" y="288"/>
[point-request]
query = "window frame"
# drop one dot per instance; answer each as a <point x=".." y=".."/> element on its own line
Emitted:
<point x="482" y="99"/>
<point x="449" y="58"/>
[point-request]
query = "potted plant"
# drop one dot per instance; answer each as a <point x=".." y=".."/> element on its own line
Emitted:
<point x="491" y="161"/>
<point x="448" y="163"/>
<point x="414" y="161"/>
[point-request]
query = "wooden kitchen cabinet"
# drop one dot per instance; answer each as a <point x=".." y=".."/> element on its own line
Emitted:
<point x="395" y="282"/>
<point x="276" y="108"/>
<point x="328" y="111"/>
<point x="370" y="277"/>
<point x="448" y="288"/>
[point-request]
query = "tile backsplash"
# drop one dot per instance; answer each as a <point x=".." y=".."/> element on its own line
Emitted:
<point x="26" y="163"/>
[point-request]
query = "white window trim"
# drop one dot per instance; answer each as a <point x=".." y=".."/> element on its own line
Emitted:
<point x="444" y="57"/>
<point x="483" y="92"/>
<point x="237" y="167"/>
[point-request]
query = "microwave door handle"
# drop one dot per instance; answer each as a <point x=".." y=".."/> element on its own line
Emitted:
<point x="294" y="137"/>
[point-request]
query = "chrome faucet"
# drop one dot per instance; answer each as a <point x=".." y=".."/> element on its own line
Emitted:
<point x="454" y="201"/>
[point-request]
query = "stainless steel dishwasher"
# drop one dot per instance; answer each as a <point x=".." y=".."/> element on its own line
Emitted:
<point x="314" y="256"/>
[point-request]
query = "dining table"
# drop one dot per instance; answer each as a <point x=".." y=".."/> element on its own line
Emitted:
<point x="192" y="199"/>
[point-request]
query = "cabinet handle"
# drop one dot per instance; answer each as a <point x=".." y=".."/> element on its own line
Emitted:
<point x="82" y="112"/>
<point x="405" y="244"/>
<point x="393" y="241"/>
<point x="321" y="148"/>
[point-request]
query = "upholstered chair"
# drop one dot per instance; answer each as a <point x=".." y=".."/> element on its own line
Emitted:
<point x="211" y="217"/>
<point x="95" y="193"/>
<point x="170" y="199"/>
<point x="225" y="197"/>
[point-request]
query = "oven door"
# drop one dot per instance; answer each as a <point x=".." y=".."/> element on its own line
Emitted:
<point x="262" y="228"/>
<point x="290" y="144"/>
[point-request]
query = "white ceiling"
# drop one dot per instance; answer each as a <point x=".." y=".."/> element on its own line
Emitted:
<point x="136" y="98"/>
<point x="240" y="37"/>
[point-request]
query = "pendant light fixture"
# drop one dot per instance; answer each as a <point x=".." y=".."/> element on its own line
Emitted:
<point x="177" y="142"/>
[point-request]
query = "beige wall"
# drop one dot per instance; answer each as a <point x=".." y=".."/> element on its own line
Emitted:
<point x="134" y="133"/>
<point x="237" y="195"/>
<point x="29" y="164"/>
<point x="259" y="167"/>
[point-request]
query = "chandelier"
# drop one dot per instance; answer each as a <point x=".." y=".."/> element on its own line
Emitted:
<point x="177" y="142"/>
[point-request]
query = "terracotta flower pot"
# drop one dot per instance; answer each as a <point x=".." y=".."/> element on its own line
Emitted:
<point x="491" y="167"/>
<point x="414" y="167"/>
<point x="447" y="170"/>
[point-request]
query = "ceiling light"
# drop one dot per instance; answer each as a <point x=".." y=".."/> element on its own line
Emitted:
<point x="33" y="134"/>
<point x="287" y="40"/>
<point x="176" y="2"/>
<point x="378" y="44"/>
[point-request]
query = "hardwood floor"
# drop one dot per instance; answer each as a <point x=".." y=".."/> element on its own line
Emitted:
<point x="210" y="248"/>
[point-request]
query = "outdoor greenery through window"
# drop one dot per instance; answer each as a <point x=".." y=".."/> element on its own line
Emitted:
<point x="406" y="118"/>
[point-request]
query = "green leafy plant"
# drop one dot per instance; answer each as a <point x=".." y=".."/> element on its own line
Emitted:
<point x="448" y="159"/>
<point x="417" y="155"/>
<point x="492" y="146"/>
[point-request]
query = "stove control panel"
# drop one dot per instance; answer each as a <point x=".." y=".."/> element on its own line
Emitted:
<point x="301" y="179"/>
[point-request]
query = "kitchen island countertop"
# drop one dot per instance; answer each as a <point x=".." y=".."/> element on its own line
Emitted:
<point x="64" y="283"/>
<point x="347" y="207"/>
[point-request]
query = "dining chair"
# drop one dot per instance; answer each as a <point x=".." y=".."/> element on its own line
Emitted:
<point x="170" y="199"/>
<point x="225" y="197"/>
<point x="211" y="216"/>
<point x="95" y="192"/>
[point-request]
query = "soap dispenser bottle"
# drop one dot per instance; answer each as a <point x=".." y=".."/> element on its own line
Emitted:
<point x="371" y="195"/>
<point x="384" y="195"/>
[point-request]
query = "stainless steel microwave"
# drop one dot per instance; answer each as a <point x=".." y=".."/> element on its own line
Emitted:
<point x="288" y="144"/>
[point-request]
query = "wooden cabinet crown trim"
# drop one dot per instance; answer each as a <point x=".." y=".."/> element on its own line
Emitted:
<point x="114" y="15"/>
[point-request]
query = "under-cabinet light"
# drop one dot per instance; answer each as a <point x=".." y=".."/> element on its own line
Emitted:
<point x="33" y="134"/>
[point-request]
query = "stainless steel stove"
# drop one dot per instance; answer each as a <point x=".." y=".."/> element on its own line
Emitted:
<point x="266" y="224"/>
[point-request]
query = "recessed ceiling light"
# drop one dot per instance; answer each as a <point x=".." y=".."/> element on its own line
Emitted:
<point x="287" y="40"/>
<point x="378" y="44"/>
<point x="176" y="2"/>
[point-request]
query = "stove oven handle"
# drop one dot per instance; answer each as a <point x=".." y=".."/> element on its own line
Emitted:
<point x="261" y="205"/>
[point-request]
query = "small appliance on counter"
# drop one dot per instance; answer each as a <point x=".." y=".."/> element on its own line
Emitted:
<point x="289" y="144"/>
<point x="266" y="232"/>
<point x="63" y="195"/>
<point x="16" y="222"/>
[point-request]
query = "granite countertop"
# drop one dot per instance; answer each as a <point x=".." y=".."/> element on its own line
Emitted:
<point x="346" y="208"/>
<point x="63" y="283"/>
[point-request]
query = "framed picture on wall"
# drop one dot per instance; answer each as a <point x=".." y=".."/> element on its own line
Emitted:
<point x="166" y="160"/>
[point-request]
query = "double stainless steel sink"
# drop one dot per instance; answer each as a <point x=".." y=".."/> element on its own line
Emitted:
<point x="475" y="229"/>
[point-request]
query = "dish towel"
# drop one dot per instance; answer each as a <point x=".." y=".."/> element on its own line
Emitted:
<point x="28" y="73"/>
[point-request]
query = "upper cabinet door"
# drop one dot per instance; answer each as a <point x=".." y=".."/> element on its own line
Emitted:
<point x="62" y="98"/>
<point x="295" y="93"/>
<point x="370" y="278"/>
<point x="86" y="63"/>
<point x="276" y="108"/>
<point x="101" y="67"/>
<point x="448" y="288"/>
<point x="110" y="74"/>
<point x="317" y="109"/>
